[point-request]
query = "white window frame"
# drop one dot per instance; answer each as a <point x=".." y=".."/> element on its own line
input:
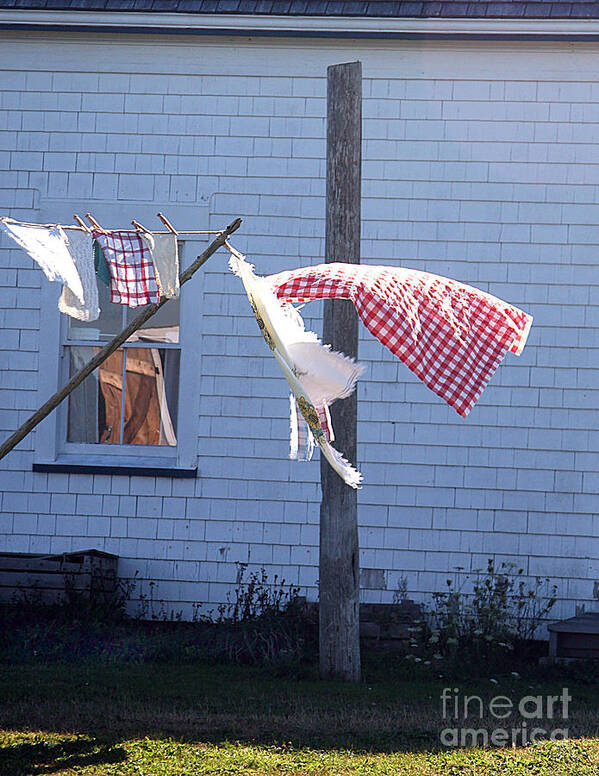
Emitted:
<point x="54" y="453"/>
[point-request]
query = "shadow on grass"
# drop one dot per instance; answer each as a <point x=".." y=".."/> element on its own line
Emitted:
<point x="218" y="705"/>
<point x="22" y="759"/>
<point x="395" y="709"/>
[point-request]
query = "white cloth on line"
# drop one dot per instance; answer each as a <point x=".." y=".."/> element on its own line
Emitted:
<point x="301" y="440"/>
<point x="81" y="249"/>
<point x="48" y="247"/>
<point x="165" y="255"/>
<point x="316" y="374"/>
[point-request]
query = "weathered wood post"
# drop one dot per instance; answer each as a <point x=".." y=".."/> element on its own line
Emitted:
<point x="339" y="590"/>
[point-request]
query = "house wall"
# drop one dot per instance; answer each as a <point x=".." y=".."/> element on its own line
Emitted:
<point x="481" y="163"/>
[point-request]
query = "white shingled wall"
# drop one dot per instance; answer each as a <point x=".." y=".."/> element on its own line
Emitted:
<point x="481" y="162"/>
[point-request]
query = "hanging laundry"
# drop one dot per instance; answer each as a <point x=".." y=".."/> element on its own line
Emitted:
<point x="101" y="265"/>
<point x="165" y="255"/>
<point x="317" y="376"/>
<point x="301" y="440"/>
<point x="64" y="254"/>
<point x="452" y="336"/>
<point x="132" y="278"/>
<point x="48" y="247"/>
<point x="81" y="250"/>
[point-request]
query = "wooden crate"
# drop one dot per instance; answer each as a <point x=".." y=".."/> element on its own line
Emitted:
<point x="45" y="578"/>
<point x="577" y="637"/>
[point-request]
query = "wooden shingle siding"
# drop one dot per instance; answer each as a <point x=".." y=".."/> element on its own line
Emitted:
<point x="480" y="163"/>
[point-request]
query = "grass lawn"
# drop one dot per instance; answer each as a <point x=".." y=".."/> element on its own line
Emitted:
<point x="164" y="719"/>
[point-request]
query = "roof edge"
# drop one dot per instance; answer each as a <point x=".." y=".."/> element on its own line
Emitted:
<point x="298" y="26"/>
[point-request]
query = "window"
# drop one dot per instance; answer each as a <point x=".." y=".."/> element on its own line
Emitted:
<point x="139" y="411"/>
<point x="132" y="398"/>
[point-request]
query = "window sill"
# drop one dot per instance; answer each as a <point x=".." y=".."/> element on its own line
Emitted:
<point x="138" y="466"/>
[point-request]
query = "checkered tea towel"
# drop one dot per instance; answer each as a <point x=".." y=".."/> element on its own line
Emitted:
<point x="452" y="336"/>
<point x="132" y="278"/>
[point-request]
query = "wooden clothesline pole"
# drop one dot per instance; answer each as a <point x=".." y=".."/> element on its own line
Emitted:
<point x="111" y="346"/>
<point x="339" y="562"/>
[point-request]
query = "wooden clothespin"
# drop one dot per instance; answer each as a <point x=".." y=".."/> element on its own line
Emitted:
<point x="82" y="223"/>
<point x="233" y="251"/>
<point x="94" y="223"/>
<point x="168" y="224"/>
<point x="139" y="226"/>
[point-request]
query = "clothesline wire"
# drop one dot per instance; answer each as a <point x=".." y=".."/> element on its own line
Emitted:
<point x="83" y="229"/>
<point x="179" y="232"/>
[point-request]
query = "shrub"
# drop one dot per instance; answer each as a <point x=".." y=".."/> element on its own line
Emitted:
<point x="262" y="624"/>
<point x="499" y="618"/>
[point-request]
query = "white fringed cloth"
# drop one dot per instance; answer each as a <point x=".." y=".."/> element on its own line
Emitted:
<point x="316" y="375"/>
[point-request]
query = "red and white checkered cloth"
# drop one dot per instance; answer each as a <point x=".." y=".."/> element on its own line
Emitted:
<point x="452" y="336"/>
<point x="132" y="277"/>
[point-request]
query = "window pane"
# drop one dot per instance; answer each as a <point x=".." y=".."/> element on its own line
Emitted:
<point x="95" y="409"/>
<point x="106" y="326"/>
<point x="163" y="326"/>
<point x="151" y="396"/>
<point x="94" y="414"/>
<point x="84" y="401"/>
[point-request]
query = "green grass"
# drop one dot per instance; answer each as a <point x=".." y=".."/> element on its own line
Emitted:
<point x="67" y="754"/>
<point x="164" y="719"/>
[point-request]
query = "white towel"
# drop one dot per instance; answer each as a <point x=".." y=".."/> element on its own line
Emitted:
<point x="47" y="246"/>
<point x="80" y="246"/>
<point x="316" y="374"/>
<point x="165" y="256"/>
